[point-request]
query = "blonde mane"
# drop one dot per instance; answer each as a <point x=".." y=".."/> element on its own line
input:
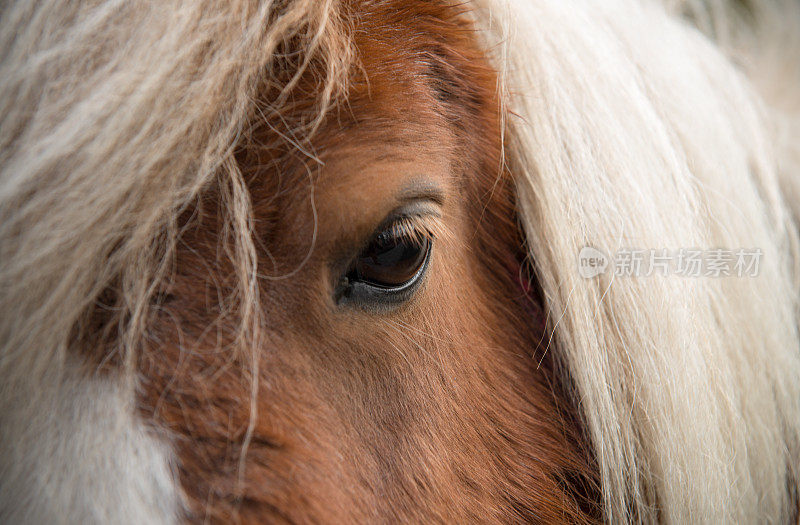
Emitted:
<point x="115" y="118"/>
<point x="629" y="129"/>
<point x="625" y="127"/>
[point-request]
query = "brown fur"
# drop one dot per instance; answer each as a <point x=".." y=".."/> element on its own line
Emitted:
<point x="441" y="411"/>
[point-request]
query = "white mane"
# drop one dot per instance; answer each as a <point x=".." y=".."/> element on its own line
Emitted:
<point x="629" y="129"/>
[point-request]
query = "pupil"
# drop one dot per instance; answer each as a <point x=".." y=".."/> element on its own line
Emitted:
<point x="391" y="262"/>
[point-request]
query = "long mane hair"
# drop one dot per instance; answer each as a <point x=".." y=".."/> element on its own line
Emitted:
<point x="625" y="127"/>
<point x="635" y="131"/>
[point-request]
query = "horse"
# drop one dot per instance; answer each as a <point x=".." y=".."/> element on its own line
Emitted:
<point x="379" y="261"/>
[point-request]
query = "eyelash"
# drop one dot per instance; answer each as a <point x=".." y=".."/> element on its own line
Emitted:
<point x="414" y="228"/>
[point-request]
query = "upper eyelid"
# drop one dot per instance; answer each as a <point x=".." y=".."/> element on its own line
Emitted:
<point x="421" y="191"/>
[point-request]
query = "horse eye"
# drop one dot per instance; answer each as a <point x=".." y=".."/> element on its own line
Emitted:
<point x="387" y="272"/>
<point x="390" y="262"/>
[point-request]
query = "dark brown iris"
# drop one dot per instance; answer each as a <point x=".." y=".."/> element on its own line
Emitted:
<point x="390" y="261"/>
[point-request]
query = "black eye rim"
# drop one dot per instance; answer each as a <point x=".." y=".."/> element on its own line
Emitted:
<point x="376" y="297"/>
